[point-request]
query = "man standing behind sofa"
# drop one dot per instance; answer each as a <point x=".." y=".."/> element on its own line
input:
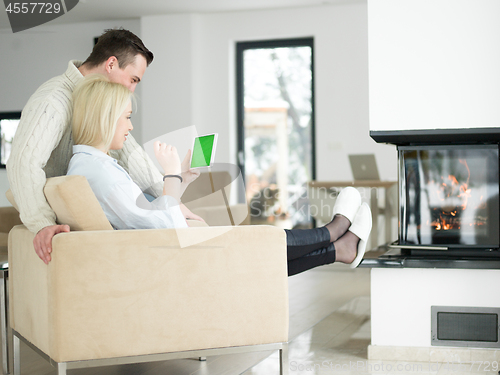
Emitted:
<point x="42" y="146"/>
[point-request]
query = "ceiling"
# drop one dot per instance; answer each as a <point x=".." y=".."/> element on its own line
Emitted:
<point x="99" y="10"/>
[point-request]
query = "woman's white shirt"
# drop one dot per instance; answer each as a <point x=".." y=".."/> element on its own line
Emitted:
<point x="122" y="200"/>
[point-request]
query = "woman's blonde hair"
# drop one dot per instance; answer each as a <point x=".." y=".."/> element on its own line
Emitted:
<point x="98" y="103"/>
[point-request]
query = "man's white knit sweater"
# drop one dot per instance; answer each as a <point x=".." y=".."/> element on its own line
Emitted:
<point x="42" y="148"/>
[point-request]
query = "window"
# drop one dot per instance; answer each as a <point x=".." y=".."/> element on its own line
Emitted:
<point x="276" y="148"/>
<point x="8" y="126"/>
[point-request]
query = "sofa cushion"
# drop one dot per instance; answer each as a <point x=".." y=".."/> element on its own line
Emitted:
<point x="75" y="204"/>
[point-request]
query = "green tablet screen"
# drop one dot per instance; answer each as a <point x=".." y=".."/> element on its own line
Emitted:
<point x="202" y="151"/>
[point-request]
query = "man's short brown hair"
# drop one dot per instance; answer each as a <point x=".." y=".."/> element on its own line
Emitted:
<point x="122" y="44"/>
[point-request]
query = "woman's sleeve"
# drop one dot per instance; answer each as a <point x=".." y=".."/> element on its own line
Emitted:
<point x="127" y="208"/>
<point x="140" y="167"/>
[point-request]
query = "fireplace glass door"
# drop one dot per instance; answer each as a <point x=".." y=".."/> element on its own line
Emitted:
<point x="449" y="196"/>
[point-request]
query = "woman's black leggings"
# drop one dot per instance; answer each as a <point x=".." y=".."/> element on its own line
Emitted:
<point x="308" y="248"/>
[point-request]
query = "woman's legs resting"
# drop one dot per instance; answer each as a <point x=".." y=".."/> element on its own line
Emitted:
<point x="310" y="248"/>
<point x="303" y="241"/>
<point x="343" y="250"/>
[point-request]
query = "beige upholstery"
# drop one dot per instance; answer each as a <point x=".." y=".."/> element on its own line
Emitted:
<point x="69" y="198"/>
<point x="9" y="217"/>
<point x="109" y="293"/>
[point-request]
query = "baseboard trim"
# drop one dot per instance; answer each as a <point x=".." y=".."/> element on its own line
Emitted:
<point x="432" y="354"/>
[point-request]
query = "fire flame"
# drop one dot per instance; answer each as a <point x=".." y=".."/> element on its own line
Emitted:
<point x="445" y="222"/>
<point x="450" y="187"/>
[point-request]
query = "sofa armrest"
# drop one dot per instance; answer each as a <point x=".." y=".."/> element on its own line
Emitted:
<point x="138" y="292"/>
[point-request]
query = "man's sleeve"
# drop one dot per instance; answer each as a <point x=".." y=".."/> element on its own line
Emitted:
<point x="39" y="132"/>
<point x="140" y="167"/>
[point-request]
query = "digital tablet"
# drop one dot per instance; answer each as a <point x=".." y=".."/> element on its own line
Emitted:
<point x="203" y="153"/>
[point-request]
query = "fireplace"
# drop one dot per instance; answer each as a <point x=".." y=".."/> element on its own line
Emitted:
<point x="449" y="196"/>
<point x="448" y="193"/>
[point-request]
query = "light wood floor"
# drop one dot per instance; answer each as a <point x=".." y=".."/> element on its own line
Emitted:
<point x="328" y="305"/>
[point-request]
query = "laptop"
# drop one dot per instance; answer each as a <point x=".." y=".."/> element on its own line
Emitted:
<point x="364" y="167"/>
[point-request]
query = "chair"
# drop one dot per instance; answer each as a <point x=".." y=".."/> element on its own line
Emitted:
<point x="208" y="196"/>
<point x="114" y="297"/>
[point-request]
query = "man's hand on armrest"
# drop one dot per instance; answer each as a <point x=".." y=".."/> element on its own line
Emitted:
<point x="43" y="240"/>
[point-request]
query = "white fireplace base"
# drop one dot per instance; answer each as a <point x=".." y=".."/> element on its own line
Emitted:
<point x="401" y="300"/>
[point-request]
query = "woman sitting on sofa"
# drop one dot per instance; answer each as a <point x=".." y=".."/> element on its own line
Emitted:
<point x="101" y="122"/>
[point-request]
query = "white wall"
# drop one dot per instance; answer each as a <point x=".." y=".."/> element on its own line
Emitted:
<point x="192" y="81"/>
<point x="31" y="57"/>
<point x="434" y="64"/>
<point x="401" y="300"/>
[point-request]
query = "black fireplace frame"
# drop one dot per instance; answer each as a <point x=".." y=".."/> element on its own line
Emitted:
<point x="437" y="136"/>
<point x="402" y="189"/>
<point x="398" y="256"/>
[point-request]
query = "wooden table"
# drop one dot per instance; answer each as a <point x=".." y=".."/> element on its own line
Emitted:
<point x="373" y="186"/>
